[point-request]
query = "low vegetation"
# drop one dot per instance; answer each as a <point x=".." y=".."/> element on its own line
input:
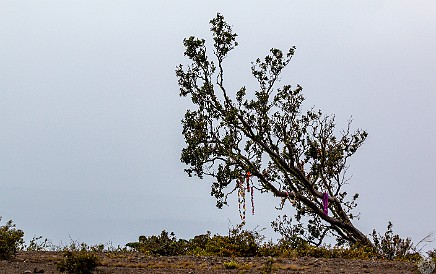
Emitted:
<point x="11" y="239"/>
<point x="237" y="245"/>
<point x="245" y="243"/>
<point x="78" y="262"/>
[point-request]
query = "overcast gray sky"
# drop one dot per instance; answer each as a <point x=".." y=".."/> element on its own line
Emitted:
<point x="90" y="133"/>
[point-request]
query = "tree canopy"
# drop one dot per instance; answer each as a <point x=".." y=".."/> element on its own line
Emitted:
<point x="296" y="154"/>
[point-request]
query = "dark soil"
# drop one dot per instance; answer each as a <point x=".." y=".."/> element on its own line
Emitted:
<point x="132" y="262"/>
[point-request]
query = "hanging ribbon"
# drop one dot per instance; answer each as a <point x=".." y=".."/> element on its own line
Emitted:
<point x="252" y="200"/>
<point x="247" y="178"/>
<point x="241" y="201"/>
<point x="325" y="203"/>
<point x="241" y="196"/>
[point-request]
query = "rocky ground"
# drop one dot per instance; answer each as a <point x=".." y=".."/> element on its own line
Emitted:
<point x="132" y="262"/>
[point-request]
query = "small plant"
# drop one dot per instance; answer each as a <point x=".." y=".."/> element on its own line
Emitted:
<point x="78" y="262"/>
<point x="432" y="254"/>
<point x="231" y="265"/>
<point x="268" y="266"/>
<point x="271" y="249"/>
<point x="36" y="244"/>
<point x="10" y="240"/>
<point x="391" y="246"/>
<point x="295" y="234"/>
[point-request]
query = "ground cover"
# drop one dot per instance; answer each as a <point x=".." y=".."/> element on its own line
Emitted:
<point x="136" y="262"/>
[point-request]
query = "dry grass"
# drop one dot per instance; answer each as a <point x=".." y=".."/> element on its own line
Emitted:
<point x="139" y="263"/>
<point x="291" y="267"/>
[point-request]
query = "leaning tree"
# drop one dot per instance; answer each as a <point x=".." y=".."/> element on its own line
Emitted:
<point x="293" y="153"/>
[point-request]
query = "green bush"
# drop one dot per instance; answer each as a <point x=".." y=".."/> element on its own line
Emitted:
<point x="245" y="243"/>
<point x="221" y="246"/>
<point x="239" y="243"/>
<point x="163" y="245"/>
<point x="197" y="245"/>
<point x="268" y="266"/>
<point x="36" y="244"/>
<point x="391" y="246"/>
<point x="78" y="262"/>
<point x="231" y="265"/>
<point x="292" y="235"/>
<point x="432" y="254"/>
<point x="270" y="249"/>
<point x="10" y="240"/>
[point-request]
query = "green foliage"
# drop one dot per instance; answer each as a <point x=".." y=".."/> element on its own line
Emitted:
<point x="388" y="246"/>
<point x="198" y="244"/>
<point x="293" y="152"/>
<point x="79" y="258"/>
<point x="162" y="245"/>
<point x="245" y="243"/>
<point x="271" y="249"/>
<point x="36" y="244"/>
<point x="392" y="246"/>
<point x="432" y="254"/>
<point x="238" y="243"/>
<point x="268" y="266"/>
<point x="78" y="262"/>
<point x="10" y="240"/>
<point x="284" y="249"/>
<point x="242" y="243"/>
<point x="231" y="265"/>
<point x="75" y="245"/>
<point x="291" y="235"/>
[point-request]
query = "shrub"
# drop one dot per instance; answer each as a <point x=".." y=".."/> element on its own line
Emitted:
<point x="391" y="246"/>
<point x="246" y="243"/>
<point x="10" y="240"/>
<point x="78" y="262"/>
<point x="231" y="265"/>
<point x="36" y="244"/>
<point x="292" y="236"/>
<point x="271" y="249"/>
<point x="220" y="246"/>
<point x="432" y="254"/>
<point x="163" y="245"/>
<point x="239" y="243"/>
<point x="197" y="245"/>
<point x="268" y="266"/>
